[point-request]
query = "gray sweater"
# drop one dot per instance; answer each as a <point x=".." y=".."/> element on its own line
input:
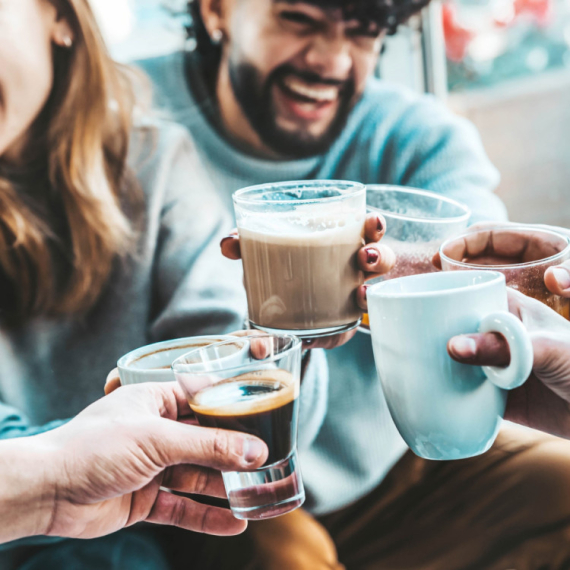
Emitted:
<point x="178" y="284"/>
<point x="393" y="136"/>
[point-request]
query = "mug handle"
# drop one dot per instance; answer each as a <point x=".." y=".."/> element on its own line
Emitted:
<point x="517" y="372"/>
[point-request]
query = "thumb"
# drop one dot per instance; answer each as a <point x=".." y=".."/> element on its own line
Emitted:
<point x="175" y="443"/>
<point x="557" y="279"/>
<point x="112" y="382"/>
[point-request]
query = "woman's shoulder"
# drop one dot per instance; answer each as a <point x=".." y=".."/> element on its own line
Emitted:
<point x="164" y="159"/>
<point x="157" y="140"/>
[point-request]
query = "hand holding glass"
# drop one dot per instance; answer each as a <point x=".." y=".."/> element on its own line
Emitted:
<point x="260" y="396"/>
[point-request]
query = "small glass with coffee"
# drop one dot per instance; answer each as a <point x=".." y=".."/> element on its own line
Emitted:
<point x="259" y="397"/>
<point x="521" y="253"/>
<point x="299" y="243"/>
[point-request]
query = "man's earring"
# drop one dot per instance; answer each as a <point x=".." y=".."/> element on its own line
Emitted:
<point x="217" y="36"/>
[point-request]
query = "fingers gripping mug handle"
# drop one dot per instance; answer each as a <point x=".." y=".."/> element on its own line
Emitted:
<point x="516" y="373"/>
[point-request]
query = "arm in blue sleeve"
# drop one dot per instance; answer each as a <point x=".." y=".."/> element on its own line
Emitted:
<point x="436" y="150"/>
<point x="13" y="424"/>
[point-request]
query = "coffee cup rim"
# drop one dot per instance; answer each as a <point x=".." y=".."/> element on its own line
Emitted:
<point x="127" y="359"/>
<point x="353" y="189"/>
<point x="185" y="368"/>
<point x="511" y="227"/>
<point x="418" y="192"/>
<point x="488" y="279"/>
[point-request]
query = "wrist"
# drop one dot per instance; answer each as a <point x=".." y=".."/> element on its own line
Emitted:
<point x="28" y="490"/>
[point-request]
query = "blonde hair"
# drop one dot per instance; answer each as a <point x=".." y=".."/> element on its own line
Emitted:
<point x="85" y="131"/>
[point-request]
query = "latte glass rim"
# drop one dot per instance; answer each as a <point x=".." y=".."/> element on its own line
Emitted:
<point x="463" y="217"/>
<point x="514" y="228"/>
<point x="181" y="367"/>
<point x="240" y="197"/>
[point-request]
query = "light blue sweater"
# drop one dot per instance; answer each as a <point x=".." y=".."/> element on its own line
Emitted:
<point x="393" y="137"/>
<point x="178" y="284"/>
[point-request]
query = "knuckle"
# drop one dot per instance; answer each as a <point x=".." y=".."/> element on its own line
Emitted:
<point x="205" y="520"/>
<point x="178" y="515"/>
<point x="201" y="481"/>
<point x="220" y="444"/>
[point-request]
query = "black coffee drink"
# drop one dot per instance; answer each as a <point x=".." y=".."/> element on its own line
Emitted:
<point x="262" y="403"/>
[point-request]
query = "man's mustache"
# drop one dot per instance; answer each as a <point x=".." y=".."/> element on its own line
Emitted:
<point x="309" y="77"/>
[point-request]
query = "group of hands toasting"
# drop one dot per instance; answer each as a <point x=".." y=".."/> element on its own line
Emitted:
<point x="543" y="401"/>
<point x="146" y="441"/>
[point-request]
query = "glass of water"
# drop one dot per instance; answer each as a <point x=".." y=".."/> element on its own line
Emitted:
<point x="417" y="222"/>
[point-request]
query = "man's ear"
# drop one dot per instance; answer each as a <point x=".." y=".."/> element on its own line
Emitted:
<point x="214" y="14"/>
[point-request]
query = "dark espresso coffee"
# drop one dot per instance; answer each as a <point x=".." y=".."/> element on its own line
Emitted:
<point x="302" y="279"/>
<point x="262" y="403"/>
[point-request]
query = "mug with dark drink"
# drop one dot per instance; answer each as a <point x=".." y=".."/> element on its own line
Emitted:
<point x="417" y="222"/>
<point x="260" y="397"/>
<point x="299" y="243"/>
<point x="521" y="253"/>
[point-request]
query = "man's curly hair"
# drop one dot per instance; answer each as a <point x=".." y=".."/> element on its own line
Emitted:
<point x="386" y="14"/>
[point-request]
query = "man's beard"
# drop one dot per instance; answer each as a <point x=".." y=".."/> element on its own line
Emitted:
<point x="255" y="98"/>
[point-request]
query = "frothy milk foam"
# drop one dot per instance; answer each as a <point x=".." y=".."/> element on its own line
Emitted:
<point x="302" y="273"/>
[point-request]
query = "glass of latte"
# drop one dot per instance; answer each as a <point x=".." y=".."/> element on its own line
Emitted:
<point x="299" y="243"/>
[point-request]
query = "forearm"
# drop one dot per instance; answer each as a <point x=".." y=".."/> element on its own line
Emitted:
<point x="27" y="492"/>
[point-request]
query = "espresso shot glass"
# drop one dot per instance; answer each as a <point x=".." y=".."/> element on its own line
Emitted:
<point x="299" y="244"/>
<point x="260" y="397"/>
<point x="521" y="253"/>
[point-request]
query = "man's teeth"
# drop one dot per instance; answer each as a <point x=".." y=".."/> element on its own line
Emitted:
<point x="320" y="94"/>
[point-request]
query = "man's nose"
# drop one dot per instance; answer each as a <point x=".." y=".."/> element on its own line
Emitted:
<point x="329" y="55"/>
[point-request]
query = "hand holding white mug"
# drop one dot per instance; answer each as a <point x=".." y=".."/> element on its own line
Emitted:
<point x="104" y="470"/>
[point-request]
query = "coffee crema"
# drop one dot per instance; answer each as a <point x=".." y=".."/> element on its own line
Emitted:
<point x="262" y="403"/>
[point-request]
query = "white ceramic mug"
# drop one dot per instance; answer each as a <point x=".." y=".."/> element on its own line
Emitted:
<point x="152" y="363"/>
<point x="443" y="409"/>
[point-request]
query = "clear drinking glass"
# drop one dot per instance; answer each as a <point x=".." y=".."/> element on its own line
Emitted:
<point x="299" y="243"/>
<point x="260" y="396"/>
<point x="417" y="222"/>
<point x="521" y="253"/>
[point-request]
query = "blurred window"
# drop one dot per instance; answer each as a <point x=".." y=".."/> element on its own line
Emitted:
<point x="489" y="41"/>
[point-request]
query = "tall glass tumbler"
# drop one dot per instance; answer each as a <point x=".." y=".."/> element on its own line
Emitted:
<point x="521" y="253"/>
<point x="260" y="396"/>
<point x="417" y="222"/>
<point x="299" y="243"/>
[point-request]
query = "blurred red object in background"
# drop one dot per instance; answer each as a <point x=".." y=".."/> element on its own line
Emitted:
<point x="457" y="37"/>
<point x="540" y="10"/>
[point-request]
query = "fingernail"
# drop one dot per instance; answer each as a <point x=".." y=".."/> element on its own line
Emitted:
<point x="379" y="224"/>
<point x="225" y="239"/>
<point x="562" y="277"/>
<point x="252" y="450"/>
<point x="371" y="256"/>
<point x="463" y="347"/>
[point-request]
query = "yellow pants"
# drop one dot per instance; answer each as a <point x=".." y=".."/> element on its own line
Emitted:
<point x="508" y="509"/>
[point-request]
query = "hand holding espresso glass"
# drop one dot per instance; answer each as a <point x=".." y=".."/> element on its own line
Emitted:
<point x="105" y="469"/>
<point x="258" y="396"/>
